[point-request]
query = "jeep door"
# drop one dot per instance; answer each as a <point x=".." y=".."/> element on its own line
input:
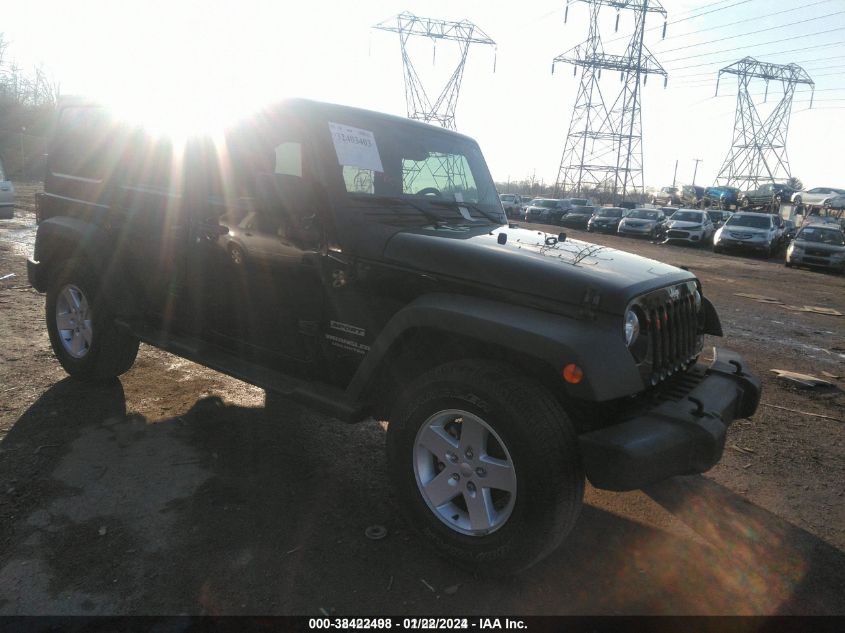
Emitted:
<point x="268" y="300"/>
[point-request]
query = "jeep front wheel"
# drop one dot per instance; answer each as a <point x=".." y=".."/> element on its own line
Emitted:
<point x="486" y="465"/>
<point x="82" y="333"/>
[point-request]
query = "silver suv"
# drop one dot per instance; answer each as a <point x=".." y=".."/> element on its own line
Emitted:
<point x="820" y="245"/>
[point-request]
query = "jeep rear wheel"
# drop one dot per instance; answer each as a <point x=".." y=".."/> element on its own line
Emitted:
<point x="82" y="332"/>
<point x="486" y="465"/>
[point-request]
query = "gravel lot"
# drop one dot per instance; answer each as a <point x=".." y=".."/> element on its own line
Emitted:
<point x="174" y="490"/>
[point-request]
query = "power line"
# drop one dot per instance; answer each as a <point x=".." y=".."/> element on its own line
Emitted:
<point x="701" y="74"/>
<point x="778" y="41"/>
<point x="692" y="17"/>
<point x="794" y="50"/>
<point x="771" y="28"/>
<point x="755" y="18"/>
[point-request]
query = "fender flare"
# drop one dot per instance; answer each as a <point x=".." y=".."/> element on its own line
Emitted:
<point x="609" y="369"/>
<point x="63" y="239"/>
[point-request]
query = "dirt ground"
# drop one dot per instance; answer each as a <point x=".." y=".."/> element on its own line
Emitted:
<point x="174" y="491"/>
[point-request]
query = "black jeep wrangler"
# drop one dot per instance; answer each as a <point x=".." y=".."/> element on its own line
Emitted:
<point x="362" y="263"/>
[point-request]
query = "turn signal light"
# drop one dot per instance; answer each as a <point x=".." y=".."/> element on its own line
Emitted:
<point x="573" y="374"/>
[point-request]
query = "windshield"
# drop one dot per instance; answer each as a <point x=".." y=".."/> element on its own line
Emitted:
<point x="752" y="221"/>
<point x="644" y="214"/>
<point x="610" y="213"/>
<point x="822" y="236"/>
<point x="507" y="197"/>
<point x="546" y="204"/>
<point x="386" y="158"/>
<point x="578" y="202"/>
<point x="669" y="190"/>
<point x="687" y="216"/>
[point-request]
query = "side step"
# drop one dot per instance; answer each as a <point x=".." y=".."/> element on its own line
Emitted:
<point x="327" y="399"/>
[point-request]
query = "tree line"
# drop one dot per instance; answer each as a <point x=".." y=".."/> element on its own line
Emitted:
<point x="27" y="104"/>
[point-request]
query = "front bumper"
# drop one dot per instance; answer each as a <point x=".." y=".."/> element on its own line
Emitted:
<point x="624" y="229"/>
<point x="35" y="273"/>
<point x="802" y="259"/>
<point x="743" y="245"/>
<point x="677" y="437"/>
<point x="685" y="236"/>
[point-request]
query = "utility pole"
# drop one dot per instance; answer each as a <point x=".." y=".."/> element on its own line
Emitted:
<point x="675" y="175"/>
<point x="603" y="148"/>
<point x="758" y="150"/>
<point x="23" y="156"/>
<point x="695" y="171"/>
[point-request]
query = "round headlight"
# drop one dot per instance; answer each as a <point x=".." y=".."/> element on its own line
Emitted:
<point x="697" y="297"/>
<point x="632" y="327"/>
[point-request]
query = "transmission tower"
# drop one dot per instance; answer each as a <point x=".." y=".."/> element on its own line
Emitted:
<point x="758" y="150"/>
<point x="603" y="149"/>
<point x="420" y="106"/>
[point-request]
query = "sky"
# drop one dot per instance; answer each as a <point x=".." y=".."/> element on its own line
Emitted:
<point x="160" y="59"/>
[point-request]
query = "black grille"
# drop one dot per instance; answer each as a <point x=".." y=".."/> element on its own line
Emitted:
<point x="672" y="331"/>
<point x="817" y="252"/>
<point x="676" y="233"/>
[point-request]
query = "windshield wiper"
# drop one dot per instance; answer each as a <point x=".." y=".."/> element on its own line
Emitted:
<point x="430" y="215"/>
<point x="455" y="204"/>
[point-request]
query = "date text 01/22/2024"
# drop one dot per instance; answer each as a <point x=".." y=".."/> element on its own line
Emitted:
<point x="416" y="623"/>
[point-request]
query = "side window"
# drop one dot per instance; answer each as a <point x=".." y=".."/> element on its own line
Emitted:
<point x="86" y="143"/>
<point x="358" y="180"/>
<point x="289" y="159"/>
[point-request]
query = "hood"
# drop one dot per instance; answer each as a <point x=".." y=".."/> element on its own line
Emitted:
<point x="566" y="272"/>
<point x="747" y="230"/>
<point x="679" y="224"/>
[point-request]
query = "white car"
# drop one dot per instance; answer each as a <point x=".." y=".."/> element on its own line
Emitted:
<point x="511" y="203"/>
<point x="689" y="225"/>
<point x="816" y="197"/>
<point x="7" y="196"/>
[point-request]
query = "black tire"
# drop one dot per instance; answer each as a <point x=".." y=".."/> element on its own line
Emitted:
<point x="718" y="250"/>
<point x="111" y="351"/>
<point x="535" y="433"/>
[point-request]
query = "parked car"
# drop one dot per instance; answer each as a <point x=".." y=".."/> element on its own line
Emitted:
<point x="689" y="226"/>
<point x="607" y="219"/>
<point x="720" y="196"/>
<point x="546" y="210"/>
<point x="719" y="217"/>
<point x="527" y="201"/>
<point x="816" y="197"/>
<point x="691" y="196"/>
<point x="7" y="196"/>
<point x="642" y="222"/>
<point x="836" y="202"/>
<point x="666" y="196"/>
<point x="748" y="231"/>
<point x="511" y="203"/>
<point x="769" y="196"/>
<point x="821" y="245"/>
<point x="578" y="217"/>
<point x="509" y="363"/>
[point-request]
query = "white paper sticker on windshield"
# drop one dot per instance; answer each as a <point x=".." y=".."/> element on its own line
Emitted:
<point x="355" y="147"/>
